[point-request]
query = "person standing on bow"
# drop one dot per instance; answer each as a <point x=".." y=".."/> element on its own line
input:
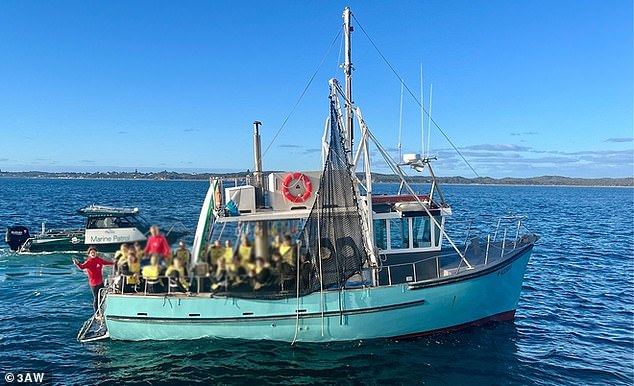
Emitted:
<point x="157" y="244"/>
<point x="93" y="266"/>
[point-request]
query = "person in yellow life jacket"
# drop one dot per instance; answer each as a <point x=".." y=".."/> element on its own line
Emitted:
<point x="285" y="275"/>
<point x="121" y="255"/>
<point x="245" y="251"/>
<point x="215" y="252"/>
<point x="262" y="278"/>
<point x="228" y="253"/>
<point x="131" y="270"/>
<point x="183" y="254"/>
<point x="219" y="277"/>
<point x="124" y="258"/>
<point x="176" y="276"/>
<point x="140" y="254"/>
<point x="151" y="274"/>
<point x="287" y="251"/>
<point x="238" y="276"/>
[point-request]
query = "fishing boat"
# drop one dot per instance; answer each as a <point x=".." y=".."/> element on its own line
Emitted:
<point x="364" y="265"/>
<point x="106" y="228"/>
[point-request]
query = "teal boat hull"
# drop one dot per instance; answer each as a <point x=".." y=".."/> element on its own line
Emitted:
<point x="397" y="311"/>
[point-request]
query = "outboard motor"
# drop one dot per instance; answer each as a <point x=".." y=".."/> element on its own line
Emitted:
<point x="16" y="236"/>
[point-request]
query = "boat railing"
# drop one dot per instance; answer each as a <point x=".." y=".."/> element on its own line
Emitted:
<point x="167" y="285"/>
<point x="55" y="232"/>
<point x="447" y="264"/>
<point x="428" y="268"/>
<point x="416" y="274"/>
<point x="506" y="225"/>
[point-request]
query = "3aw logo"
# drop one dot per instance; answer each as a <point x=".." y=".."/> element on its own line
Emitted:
<point x="25" y="377"/>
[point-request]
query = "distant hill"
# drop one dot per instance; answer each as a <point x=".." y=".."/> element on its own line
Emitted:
<point x="377" y="178"/>
<point x="537" y="181"/>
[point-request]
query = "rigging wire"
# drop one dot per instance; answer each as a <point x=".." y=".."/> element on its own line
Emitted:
<point x="400" y="128"/>
<point x="339" y="59"/>
<point x="303" y="93"/>
<point x="422" y="114"/>
<point x="414" y="96"/>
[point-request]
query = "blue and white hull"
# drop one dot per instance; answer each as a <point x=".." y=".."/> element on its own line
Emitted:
<point x="397" y="311"/>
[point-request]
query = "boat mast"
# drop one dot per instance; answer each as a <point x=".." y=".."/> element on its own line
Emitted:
<point x="347" y="69"/>
<point x="363" y="143"/>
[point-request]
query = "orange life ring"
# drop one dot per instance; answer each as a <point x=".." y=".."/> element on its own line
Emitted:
<point x="287" y="183"/>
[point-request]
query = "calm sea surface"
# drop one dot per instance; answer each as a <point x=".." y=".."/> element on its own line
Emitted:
<point x="574" y="324"/>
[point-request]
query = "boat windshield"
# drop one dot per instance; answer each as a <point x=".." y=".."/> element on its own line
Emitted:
<point x="111" y="222"/>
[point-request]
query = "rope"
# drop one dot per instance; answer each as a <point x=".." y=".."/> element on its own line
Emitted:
<point x="302" y="94"/>
<point x="414" y="97"/>
<point x="321" y="272"/>
<point x="297" y="297"/>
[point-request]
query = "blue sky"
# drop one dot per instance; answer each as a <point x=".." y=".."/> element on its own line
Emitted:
<point x="523" y="88"/>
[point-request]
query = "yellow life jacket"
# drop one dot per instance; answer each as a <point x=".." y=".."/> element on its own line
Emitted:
<point x="182" y="254"/>
<point x="228" y="255"/>
<point x="134" y="268"/>
<point x="181" y="275"/>
<point x="172" y="268"/>
<point x="219" y="271"/>
<point x="245" y="253"/>
<point x="287" y="253"/>
<point x="151" y="272"/>
<point x="215" y="254"/>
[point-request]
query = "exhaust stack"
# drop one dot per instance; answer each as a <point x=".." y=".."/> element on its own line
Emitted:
<point x="261" y="227"/>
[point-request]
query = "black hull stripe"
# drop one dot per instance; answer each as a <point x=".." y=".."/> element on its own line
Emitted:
<point x="118" y="318"/>
<point x="501" y="317"/>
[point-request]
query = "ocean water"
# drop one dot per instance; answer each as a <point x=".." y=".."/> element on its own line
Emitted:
<point x="574" y="324"/>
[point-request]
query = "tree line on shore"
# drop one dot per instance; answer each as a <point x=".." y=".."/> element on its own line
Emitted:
<point x="377" y="178"/>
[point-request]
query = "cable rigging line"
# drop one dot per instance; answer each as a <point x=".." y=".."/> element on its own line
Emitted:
<point x="414" y="96"/>
<point x="302" y="94"/>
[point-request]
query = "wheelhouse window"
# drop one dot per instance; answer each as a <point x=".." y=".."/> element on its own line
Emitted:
<point x="380" y="234"/>
<point x="103" y="223"/>
<point x="399" y="233"/>
<point x="421" y="232"/>
<point x="415" y="231"/>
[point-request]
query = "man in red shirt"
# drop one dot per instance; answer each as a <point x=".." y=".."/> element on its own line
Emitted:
<point x="93" y="266"/>
<point x="157" y="244"/>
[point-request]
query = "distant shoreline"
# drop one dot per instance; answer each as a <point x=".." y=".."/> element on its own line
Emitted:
<point x="377" y="178"/>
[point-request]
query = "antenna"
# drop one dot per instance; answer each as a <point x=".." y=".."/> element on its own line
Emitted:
<point x="422" y="113"/>
<point x="429" y="122"/>
<point x="400" y="128"/>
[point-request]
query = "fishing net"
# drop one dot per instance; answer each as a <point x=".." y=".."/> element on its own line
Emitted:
<point x="333" y="238"/>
